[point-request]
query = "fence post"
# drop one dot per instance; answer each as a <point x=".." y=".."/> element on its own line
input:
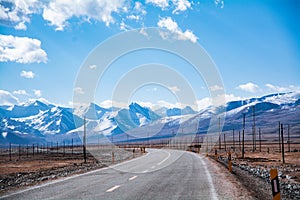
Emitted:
<point x="229" y="162"/>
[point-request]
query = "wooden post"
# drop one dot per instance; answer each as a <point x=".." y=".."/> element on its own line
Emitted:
<point x="19" y="151"/>
<point x="259" y="132"/>
<point x="229" y="162"/>
<point x="253" y="129"/>
<point x="10" y="151"/>
<point x="220" y="146"/>
<point x="243" y="142"/>
<point x="282" y="144"/>
<point x="240" y="141"/>
<point x="64" y="146"/>
<point x="84" y="140"/>
<point x="279" y="137"/>
<point x="289" y="141"/>
<point x="72" y="146"/>
<point x="233" y="139"/>
<point x="224" y="141"/>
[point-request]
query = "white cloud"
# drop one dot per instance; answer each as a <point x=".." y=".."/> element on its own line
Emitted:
<point x="219" y="100"/>
<point x="143" y="32"/>
<point x="275" y="88"/>
<point x="249" y="87"/>
<point x="6" y="98"/>
<point x="181" y="5"/>
<point x="93" y="66"/>
<point x="159" y="3"/>
<point x="59" y="12"/>
<point x="20" y="92"/>
<point x="172" y="26"/>
<point x="138" y="6"/>
<point x="110" y="103"/>
<point x="134" y="17"/>
<point x="174" y="89"/>
<point x="219" y="3"/>
<point x="78" y="90"/>
<point x="216" y="88"/>
<point x="123" y="26"/>
<point x="27" y="74"/>
<point x="166" y="104"/>
<point x="17" y="12"/>
<point x="37" y="93"/>
<point x="203" y="103"/>
<point x="21" y="50"/>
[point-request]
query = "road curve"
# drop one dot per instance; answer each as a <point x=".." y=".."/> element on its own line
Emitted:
<point x="160" y="174"/>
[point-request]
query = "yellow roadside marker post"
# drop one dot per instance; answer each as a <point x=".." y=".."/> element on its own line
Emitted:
<point x="275" y="184"/>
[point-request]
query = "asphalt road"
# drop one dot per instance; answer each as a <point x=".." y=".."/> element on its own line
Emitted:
<point x="160" y="174"/>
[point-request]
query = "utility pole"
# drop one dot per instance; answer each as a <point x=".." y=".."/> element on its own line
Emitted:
<point x="253" y="129"/>
<point x="9" y="151"/>
<point x="72" y="146"/>
<point x="259" y="132"/>
<point x="240" y="140"/>
<point x="243" y="143"/>
<point x="233" y="139"/>
<point x="219" y="134"/>
<point x="282" y="144"/>
<point x="289" y="142"/>
<point x="84" y="140"/>
<point x="224" y="141"/>
<point x="279" y="136"/>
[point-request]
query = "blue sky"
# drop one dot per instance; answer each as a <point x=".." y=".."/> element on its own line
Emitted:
<point x="254" y="44"/>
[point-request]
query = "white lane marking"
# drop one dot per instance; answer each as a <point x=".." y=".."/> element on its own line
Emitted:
<point x="212" y="187"/>
<point x="161" y="162"/>
<point x="152" y="167"/>
<point x="75" y="176"/>
<point x="145" y="171"/>
<point x="132" y="178"/>
<point x="113" y="188"/>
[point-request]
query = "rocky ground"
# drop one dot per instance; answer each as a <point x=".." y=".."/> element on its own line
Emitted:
<point x="254" y="172"/>
<point x="20" y="173"/>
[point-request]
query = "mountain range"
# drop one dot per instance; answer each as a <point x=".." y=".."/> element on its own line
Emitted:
<point x="40" y="122"/>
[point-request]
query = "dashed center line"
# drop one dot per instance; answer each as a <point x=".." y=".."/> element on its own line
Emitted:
<point x="132" y="178"/>
<point x="145" y="171"/>
<point x="113" y="188"/>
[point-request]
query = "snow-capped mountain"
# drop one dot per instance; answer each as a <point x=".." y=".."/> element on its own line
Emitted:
<point x="168" y="112"/>
<point x="37" y="121"/>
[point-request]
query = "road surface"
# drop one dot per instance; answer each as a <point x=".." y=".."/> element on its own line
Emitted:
<point x="160" y="174"/>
